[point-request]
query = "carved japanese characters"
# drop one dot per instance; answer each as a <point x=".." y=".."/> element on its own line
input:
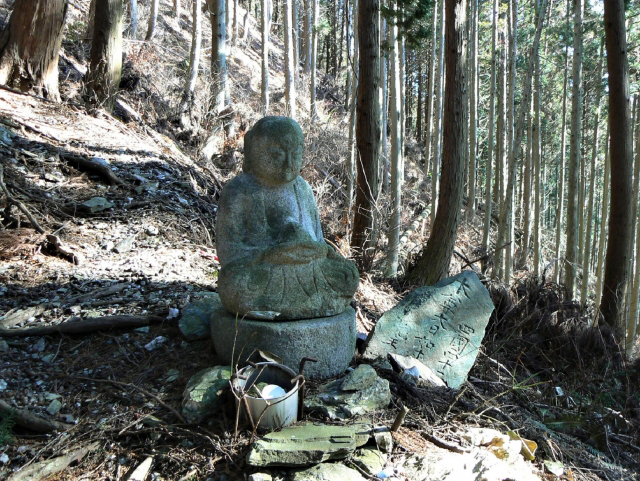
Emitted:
<point x="441" y="325"/>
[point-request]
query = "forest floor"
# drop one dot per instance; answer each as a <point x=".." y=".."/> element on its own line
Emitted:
<point x="126" y="265"/>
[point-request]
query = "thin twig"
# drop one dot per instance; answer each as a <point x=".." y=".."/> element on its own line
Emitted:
<point x="137" y="388"/>
<point x="20" y="205"/>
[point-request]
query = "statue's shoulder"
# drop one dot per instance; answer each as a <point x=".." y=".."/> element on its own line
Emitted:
<point x="303" y="185"/>
<point x="243" y="185"/>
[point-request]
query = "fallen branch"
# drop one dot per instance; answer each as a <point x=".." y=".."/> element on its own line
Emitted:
<point x="441" y="443"/>
<point x="139" y="389"/>
<point x="333" y="181"/>
<point x="21" y="206"/>
<point x="94" y="166"/>
<point x="30" y="421"/>
<point x="69" y="253"/>
<point x="16" y="316"/>
<point x="51" y="466"/>
<point x="81" y="326"/>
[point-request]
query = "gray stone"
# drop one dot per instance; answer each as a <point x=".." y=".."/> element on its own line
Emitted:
<point x="360" y="378"/>
<point x="442" y="326"/>
<point x="203" y="394"/>
<point x="54" y="407"/>
<point x="260" y="477"/>
<point x="125" y="245"/>
<point x="331" y="340"/>
<point x="333" y="401"/>
<point x="306" y="443"/>
<point x="478" y="465"/>
<point x="97" y="204"/>
<point x="370" y="460"/>
<point x="383" y="438"/>
<point x="411" y="367"/>
<point x="195" y="322"/>
<point x="327" y="472"/>
<point x="270" y="244"/>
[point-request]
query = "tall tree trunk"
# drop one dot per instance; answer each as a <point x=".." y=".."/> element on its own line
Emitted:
<point x="511" y="88"/>
<point x="314" y="57"/>
<point x="105" y="69"/>
<point x="308" y="6"/>
<point x="419" y="90"/>
<point x="367" y="132"/>
<point x="265" y="28"/>
<point x="133" y="25"/>
<point x="473" y="109"/>
<point x="574" y="154"/>
<point x="604" y="213"/>
<point x="507" y="205"/>
<point x="526" y="196"/>
<point x="384" y="104"/>
<point x="439" y="109"/>
<point x="397" y="162"/>
<point x="563" y="158"/>
<point x="245" y="22"/>
<point x="349" y="54"/>
<point x="88" y="34"/>
<point x="234" y="29"/>
<point x="428" y="138"/>
<point x="194" y="61"/>
<point x="616" y="276"/>
<point x="492" y="99"/>
<point x="289" y="85"/>
<point x="218" y="53"/>
<point x="592" y="187"/>
<point x="501" y="151"/>
<point x="29" y="46"/>
<point x="537" y="164"/>
<point x="536" y="161"/>
<point x="153" y="19"/>
<point x="296" y="43"/>
<point x="433" y="264"/>
<point x="635" y="288"/>
<point x="177" y="8"/>
<point x="351" y="158"/>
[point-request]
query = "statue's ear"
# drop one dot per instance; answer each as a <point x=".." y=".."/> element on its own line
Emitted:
<point x="248" y="142"/>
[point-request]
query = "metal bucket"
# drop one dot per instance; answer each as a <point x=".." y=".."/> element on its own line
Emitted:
<point x="272" y="413"/>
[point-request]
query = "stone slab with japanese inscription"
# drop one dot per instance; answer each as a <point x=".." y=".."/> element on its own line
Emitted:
<point x="441" y="325"/>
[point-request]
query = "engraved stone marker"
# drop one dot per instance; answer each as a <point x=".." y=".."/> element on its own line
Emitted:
<point x="441" y="325"/>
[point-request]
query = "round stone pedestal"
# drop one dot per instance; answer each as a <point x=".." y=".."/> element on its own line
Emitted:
<point x="330" y="340"/>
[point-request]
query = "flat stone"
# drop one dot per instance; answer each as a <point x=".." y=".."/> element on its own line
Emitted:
<point x="360" y="378"/>
<point x="330" y="340"/>
<point x="327" y="472"/>
<point x="478" y="465"/>
<point x="260" y="477"/>
<point x="305" y="444"/>
<point x="195" y="322"/>
<point x="54" y="407"/>
<point x="203" y="394"/>
<point x="370" y="460"/>
<point x="97" y="204"/>
<point x="423" y="375"/>
<point x="125" y="245"/>
<point x="334" y="402"/>
<point x="442" y="326"/>
<point x="383" y="438"/>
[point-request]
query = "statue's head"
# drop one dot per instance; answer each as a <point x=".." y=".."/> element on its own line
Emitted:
<point x="273" y="150"/>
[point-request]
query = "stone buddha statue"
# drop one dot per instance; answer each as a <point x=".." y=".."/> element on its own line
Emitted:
<point x="275" y="264"/>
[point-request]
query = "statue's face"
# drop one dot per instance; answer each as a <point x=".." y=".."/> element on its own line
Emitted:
<point x="273" y="150"/>
<point x="280" y="159"/>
